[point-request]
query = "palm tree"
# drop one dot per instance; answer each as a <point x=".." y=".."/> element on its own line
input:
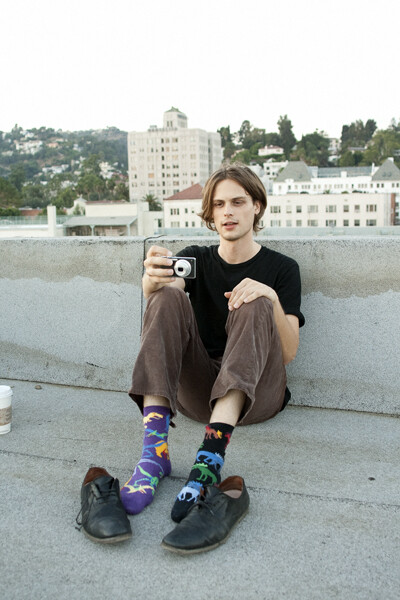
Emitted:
<point x="154" y="204"/>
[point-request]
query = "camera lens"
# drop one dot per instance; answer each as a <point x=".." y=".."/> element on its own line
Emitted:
<point x="182" y="268"/>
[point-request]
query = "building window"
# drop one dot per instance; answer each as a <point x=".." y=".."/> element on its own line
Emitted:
<point x="371" y="207"/>
<point x="299" y="223"/>
<point x="313" y="208"/>
<point x="345" y="223"/>
<point x="174" y="223"/>
<point x="330" y="223"/>
<point x="275" y="223"/>
<point x="275" y="209"/>
<point x="356" y="222"/>
<point x="346" y="208"/>
<point x="288" y="209"/>
<point x="312" y="223"/>
<point x="371" y="222"/>
<point x="288" y="223"/>
<point x="330" y="208"/>
<point x="174" y="211"/>
<point x="356" y="208"/>
<point x="298" y="209"/>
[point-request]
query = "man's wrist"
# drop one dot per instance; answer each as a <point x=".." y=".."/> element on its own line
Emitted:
<point x="273" y="296"/>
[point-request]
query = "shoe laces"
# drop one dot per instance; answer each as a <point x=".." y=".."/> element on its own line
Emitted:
<point x="101" y="497"/>
<point x="202" y="502"/>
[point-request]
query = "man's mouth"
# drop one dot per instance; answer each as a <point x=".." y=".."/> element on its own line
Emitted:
<point x="229" y="224"/>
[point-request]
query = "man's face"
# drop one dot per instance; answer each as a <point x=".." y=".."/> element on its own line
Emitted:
<point x="233" y="210"/>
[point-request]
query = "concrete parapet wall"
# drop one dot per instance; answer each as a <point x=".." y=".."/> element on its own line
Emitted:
<point x="70" y="313"/>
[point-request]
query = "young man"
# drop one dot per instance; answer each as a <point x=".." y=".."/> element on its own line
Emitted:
<point x="219" y="355"/>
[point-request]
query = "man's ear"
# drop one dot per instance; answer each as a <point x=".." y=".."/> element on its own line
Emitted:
<point x="256" y="207"/>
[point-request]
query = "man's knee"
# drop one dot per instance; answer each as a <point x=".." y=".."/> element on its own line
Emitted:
<point x="258" y="310"/>
<point x="167" y="295"/>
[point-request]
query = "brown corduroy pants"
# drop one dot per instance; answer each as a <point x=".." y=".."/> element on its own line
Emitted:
<point x="172" y="361"/>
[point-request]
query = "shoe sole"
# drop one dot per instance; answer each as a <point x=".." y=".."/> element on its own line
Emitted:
<point x="184" y="552"/>
<point x="111" y="540"/>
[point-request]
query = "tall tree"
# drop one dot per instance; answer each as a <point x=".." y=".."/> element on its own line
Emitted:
<point x="244" y="131"/>
<point x="226" y="136"/>
<point x="91" y="164"/>
<point x="249" y="135"/>
<point x="313" y="149"/>
<point x="9" y="195"/>
<point x="370" y="128"/>
<point x="35" y="195"/>
<point x="357" y="134"/>
<point x="286" y="135"/>
<point x="384" y="144"/>
<point x="17" y="176"/>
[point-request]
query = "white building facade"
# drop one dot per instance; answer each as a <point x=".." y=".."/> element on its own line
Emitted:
<point x="181" y="210"/>
<point x="164" y="161"/>
<point x="297" y="178"/>
<point x="329" y="210"/>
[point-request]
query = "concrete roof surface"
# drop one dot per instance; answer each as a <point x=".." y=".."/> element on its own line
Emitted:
<point x="324" y="520"/>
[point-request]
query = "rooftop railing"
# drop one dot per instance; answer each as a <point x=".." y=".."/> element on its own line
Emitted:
<point x="39" y="220"/>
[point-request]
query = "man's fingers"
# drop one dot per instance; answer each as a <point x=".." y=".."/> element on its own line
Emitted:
<point x="158" y="251"/>
<point x="238" y="297"/>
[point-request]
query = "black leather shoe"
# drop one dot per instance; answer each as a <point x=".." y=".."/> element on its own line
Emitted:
<point x="210" y="521"/>
<point x="103" y="516"/>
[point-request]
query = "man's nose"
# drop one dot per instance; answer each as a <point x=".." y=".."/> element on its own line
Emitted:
<point x="228" y="209"/>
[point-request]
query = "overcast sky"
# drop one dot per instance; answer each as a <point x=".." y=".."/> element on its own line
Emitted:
<point x="83" y="64"/>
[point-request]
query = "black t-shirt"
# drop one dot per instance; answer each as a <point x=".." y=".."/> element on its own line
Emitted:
<point x="215" y="276"/>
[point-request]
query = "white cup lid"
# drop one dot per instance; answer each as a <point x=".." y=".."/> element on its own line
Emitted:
<point x="5" y="391"/>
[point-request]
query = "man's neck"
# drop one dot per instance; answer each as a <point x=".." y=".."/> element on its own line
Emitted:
<point x="238" y="251"/>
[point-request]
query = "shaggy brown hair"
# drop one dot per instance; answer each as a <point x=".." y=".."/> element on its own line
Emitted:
<point x="245" y="177"/>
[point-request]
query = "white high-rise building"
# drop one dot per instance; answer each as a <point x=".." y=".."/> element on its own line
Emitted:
<point x="164" y="161"/>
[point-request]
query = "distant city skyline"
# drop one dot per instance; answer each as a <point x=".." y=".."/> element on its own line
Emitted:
<point x="89" y="65"/>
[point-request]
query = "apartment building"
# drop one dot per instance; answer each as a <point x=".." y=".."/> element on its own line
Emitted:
<point x="164" y="161"/>
<point x="298" y="178"/>
<point x="330" y="210"/>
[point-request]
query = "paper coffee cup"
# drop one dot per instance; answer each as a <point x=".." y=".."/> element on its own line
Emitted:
<point x="5" y="408"/>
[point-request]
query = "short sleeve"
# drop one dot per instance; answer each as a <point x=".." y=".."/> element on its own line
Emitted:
<point x="288" y="288"/>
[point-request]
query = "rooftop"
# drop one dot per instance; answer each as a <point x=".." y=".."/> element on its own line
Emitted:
<point x="296" y="170"/>
<point x="324" y="515"/>
<point x="388" y="171"/>
<point x="323" y="475"/>
<point x="194" y="192"/>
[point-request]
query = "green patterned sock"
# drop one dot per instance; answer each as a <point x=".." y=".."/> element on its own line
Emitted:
<point x="206" y="469"/>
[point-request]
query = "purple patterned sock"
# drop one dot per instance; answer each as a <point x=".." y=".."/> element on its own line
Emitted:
<point x="154" y="463"/>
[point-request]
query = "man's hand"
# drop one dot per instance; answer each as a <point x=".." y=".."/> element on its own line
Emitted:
<point x="156" y="275"/>
<point x="155" y="265"/>
<point x="247" y="291"/>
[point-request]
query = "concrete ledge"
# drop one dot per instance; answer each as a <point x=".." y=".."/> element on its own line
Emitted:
<point x="70" y="311"/>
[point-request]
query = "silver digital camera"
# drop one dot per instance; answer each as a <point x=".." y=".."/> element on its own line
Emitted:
<point x="183" y="266"/>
